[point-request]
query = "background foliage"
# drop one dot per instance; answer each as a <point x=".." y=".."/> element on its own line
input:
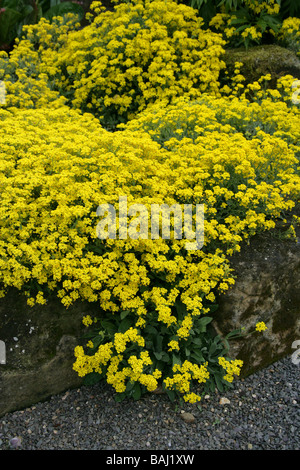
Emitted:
<point x="14" y="14"/>
<point x="248" y="22"/>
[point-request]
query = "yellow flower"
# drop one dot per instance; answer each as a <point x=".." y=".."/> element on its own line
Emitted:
<point x="260" y="326"/>
<point x="232" y="368"/>
<point x="87" y="320"/>
<point x="191" y="397"/>
<point x="173" y="345"/>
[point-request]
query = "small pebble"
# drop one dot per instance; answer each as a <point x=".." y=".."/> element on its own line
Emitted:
<point x="188" y="417"/>
<point x="224" y="401"/>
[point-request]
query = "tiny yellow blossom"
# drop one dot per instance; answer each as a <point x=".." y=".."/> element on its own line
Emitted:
<point x="260" y="326"/>
<point x="87" y="320"/>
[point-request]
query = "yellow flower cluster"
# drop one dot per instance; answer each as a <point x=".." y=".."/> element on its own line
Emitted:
<point x="271" y="7"/>
<point x="182" y="377"/>
<point x="252" y="32"/>
<point x="86" y="364"/>
<point x="125" y="59"/>
<point x="108" y="358"/>
<point x="87" y="320"/>
<point x="131" y="335"/>
<point x="260" y="326"/>
<point x="173" y="345"/>
<point x="289" y="34"/>
<point x="132" y="373"/>
<point x="26" y="72"/>
<point x="232" y="368"/>
<point x="58" y="165"/>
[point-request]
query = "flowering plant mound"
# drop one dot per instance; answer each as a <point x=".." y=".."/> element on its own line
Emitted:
<point x="28" y="71"/>
<point x="186" y="141"/>
<point x="237" y="157"/>
<point x="125" y="59"/>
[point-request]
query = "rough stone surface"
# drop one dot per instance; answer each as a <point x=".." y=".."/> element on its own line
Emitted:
<point x="39" y="343"/>
<point x="267" y="289"/>
<point x="261" y="60"/>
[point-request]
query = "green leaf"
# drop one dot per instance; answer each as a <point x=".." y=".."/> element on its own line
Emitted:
<point x="180" y="308"/>
<point x="150" y="330"/>
<point x="108" y="326"/>
<point x="219" y="383"/>
<point x="8" y="20"/>
<point x="196" y="341"/>
<point x="234" y="333"/>
<point x="197" y="356"/>
<point x="158" y="343"/>
<point x="92" y="378"/>
<point x="97" y="340"/>
<point x="137" y="392"/>
<point x="62" y="9"/>
<point x="125" y="324"/>
<point x="213" y="360"/>
<point x="242" y="21"/>
<point x="213" y="308"/>
<point x="130" y="386"/>
<point x="171" y="394"/>
<point x="120" y="396"/>
<point x="176" y="359"/>
<point x="262" y="24"/>
<point x="215" y="346"/>
<point x="158" y="355"/>
<point x="28" y="9"/>
<point x="202" y="323"/>
<point x="124" y="314"/>
<point x="165" y="357"/>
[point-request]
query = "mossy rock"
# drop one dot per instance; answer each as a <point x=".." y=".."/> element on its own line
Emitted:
<point x="267" y="289"/>
<point x="261" y="60"/>
<point x="39" y="343"/>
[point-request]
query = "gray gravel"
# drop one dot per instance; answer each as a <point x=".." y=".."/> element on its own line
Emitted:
<point x="262" y="414"/>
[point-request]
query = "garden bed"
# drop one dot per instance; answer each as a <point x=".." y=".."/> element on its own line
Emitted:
<point x="136" y="112"/>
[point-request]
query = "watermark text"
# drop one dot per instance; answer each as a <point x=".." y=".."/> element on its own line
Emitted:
<point x="135" y="223"/>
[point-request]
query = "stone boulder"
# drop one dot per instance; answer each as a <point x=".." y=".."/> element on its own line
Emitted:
<point x="267" y="289"/>
<point x="39" y="345"/>
<point x="261" y="60"/>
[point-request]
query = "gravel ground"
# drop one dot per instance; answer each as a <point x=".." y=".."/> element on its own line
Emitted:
<point x="261" y="412"/>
